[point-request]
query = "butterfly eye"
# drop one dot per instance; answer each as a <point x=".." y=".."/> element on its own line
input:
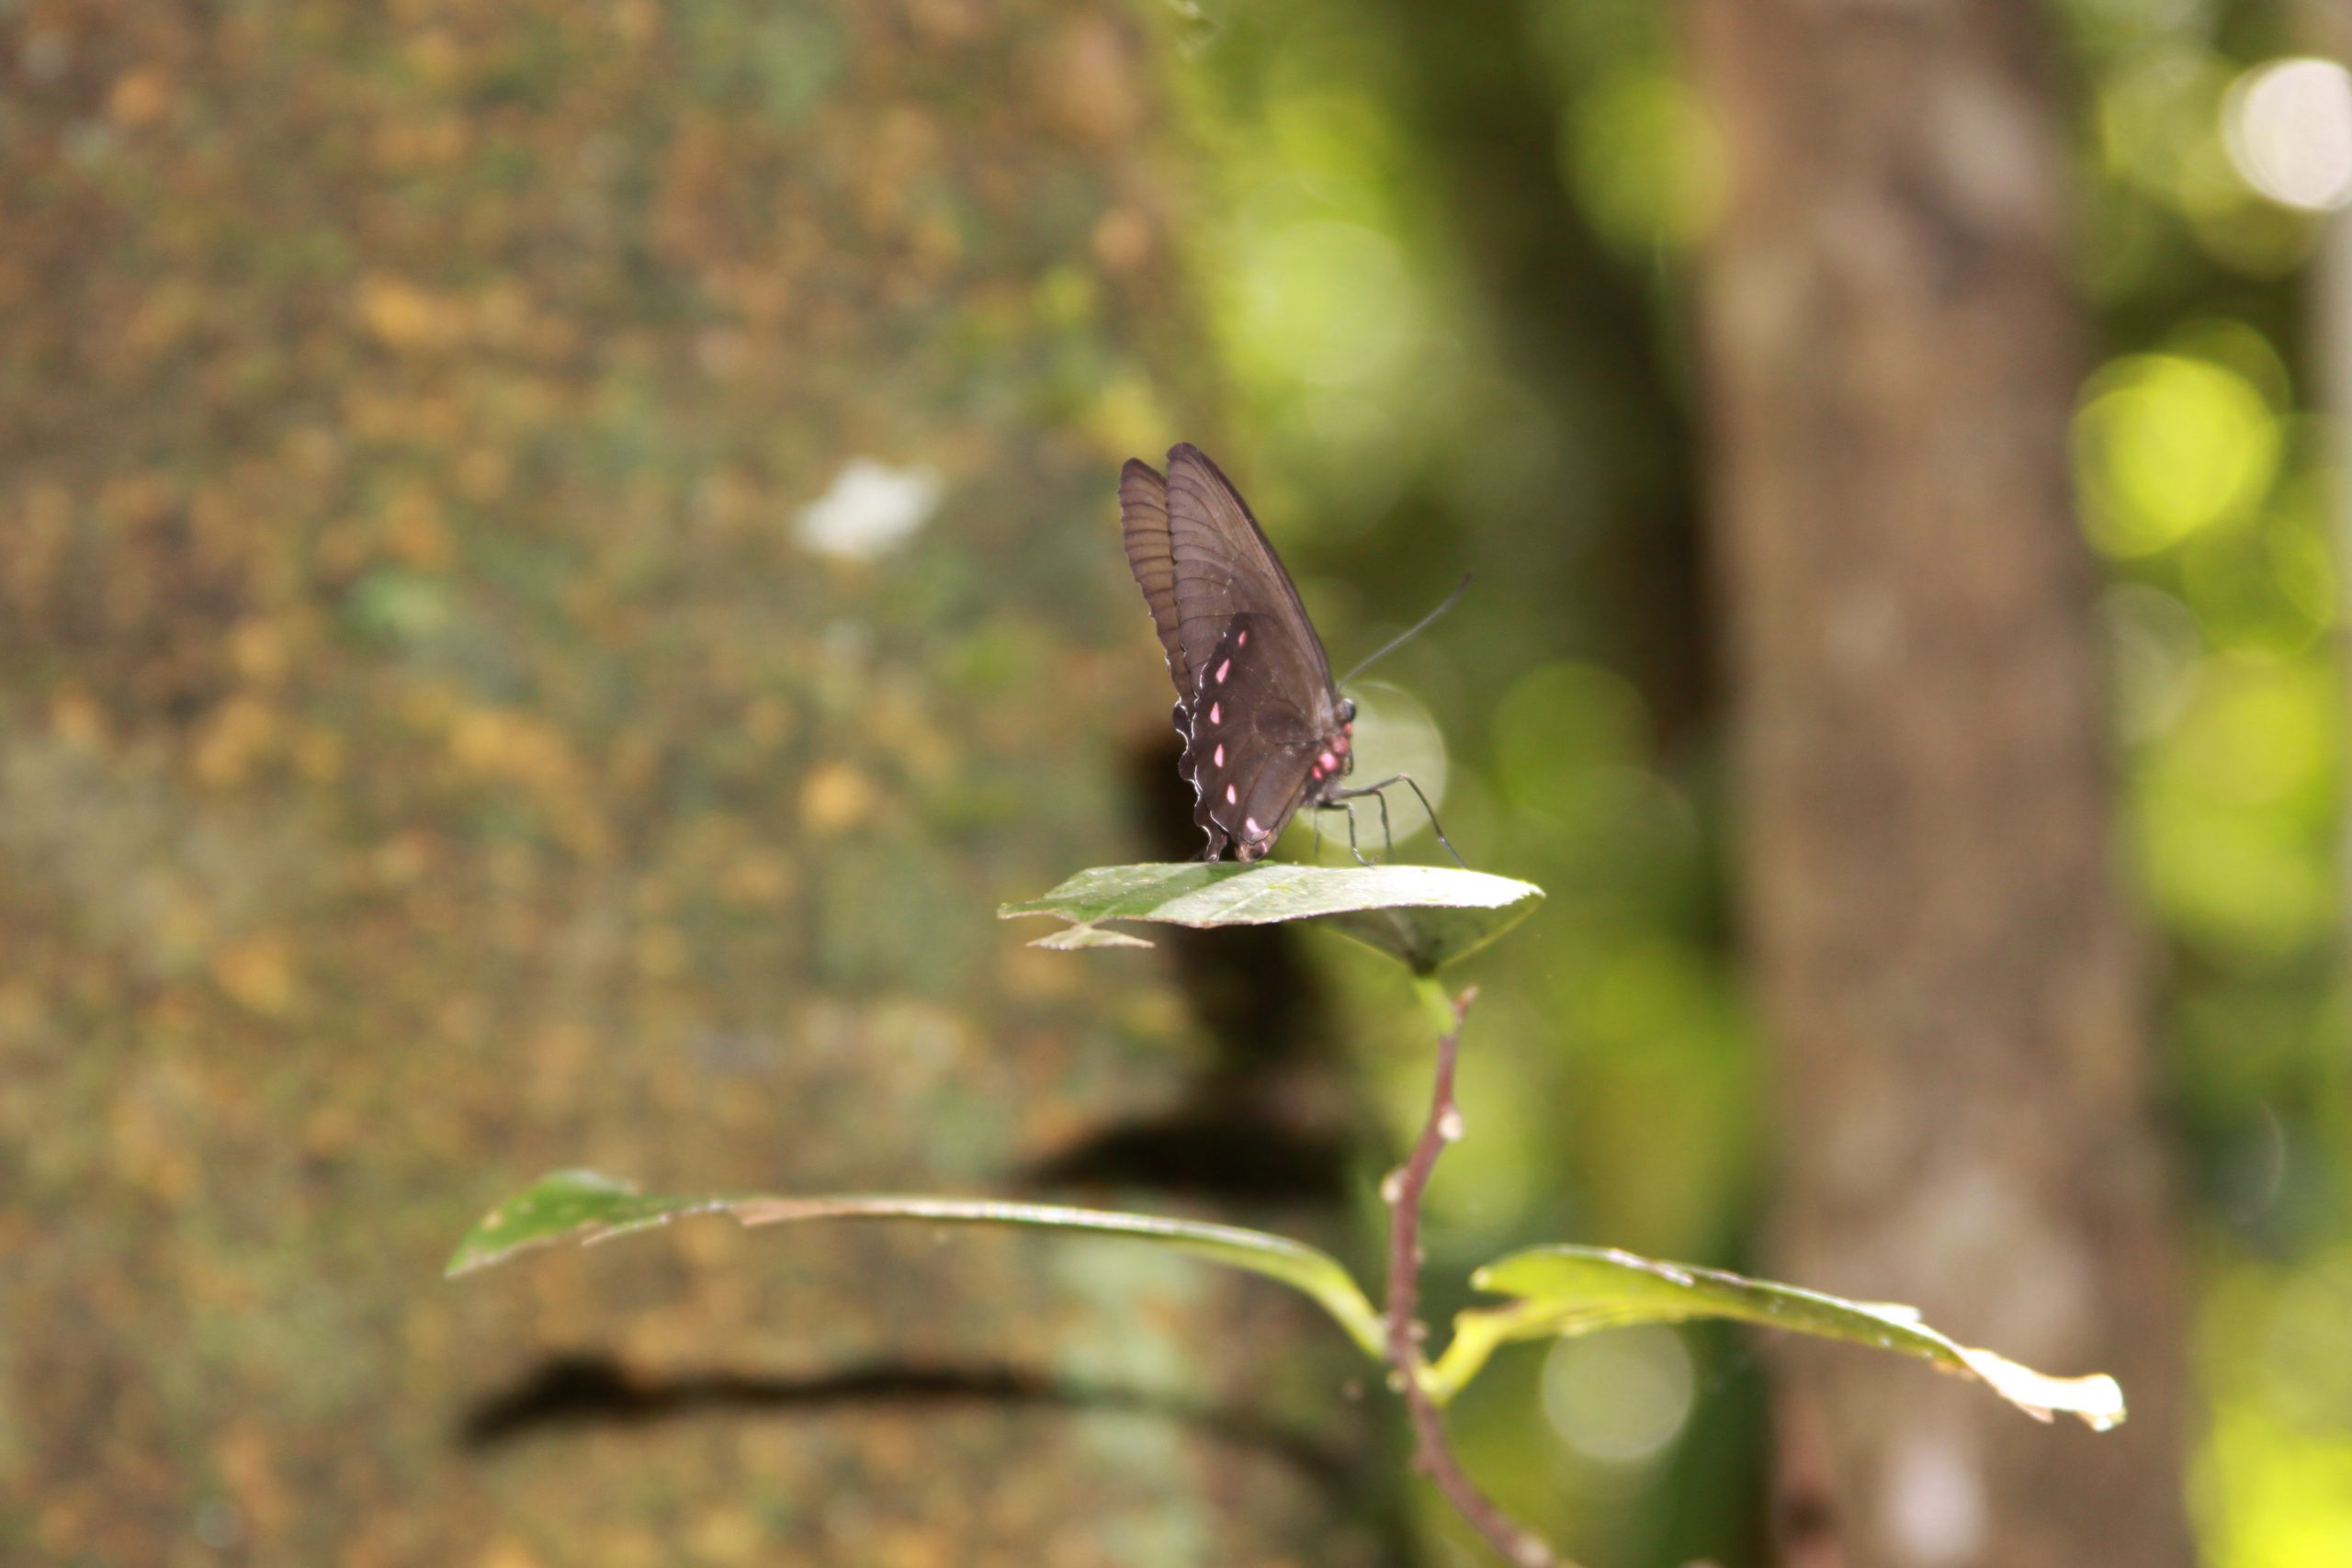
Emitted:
<point x="1347" y="710"/>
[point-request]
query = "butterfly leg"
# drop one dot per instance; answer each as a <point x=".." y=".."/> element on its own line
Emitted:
<point x="1345" y="801"/>
<point x="1407" y="780"/>
<point x="1336" y="805"/>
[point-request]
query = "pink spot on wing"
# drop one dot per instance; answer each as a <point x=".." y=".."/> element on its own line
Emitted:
<point x="1217" y="712"/>
<point x="1242" y="639"/>
<point x="1220" y="753"/>
<point x="1250" y="828"/>
<point x="1230" y="798"/>
<point x="1223" y="670"/>
<point x="1327" y="761"/>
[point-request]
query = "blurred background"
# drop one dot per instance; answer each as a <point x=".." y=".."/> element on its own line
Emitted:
<point x="557" y="561"/>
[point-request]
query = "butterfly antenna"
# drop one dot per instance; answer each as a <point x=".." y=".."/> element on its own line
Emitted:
<point x="1394" y="643"/>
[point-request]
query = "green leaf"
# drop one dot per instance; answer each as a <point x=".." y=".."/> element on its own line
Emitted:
<point x="1576" y="1290"/>
<point x="584" y="1206"/>
<point x="1425" y="915"/>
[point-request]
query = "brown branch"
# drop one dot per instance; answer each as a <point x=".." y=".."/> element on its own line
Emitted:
<point x="1431" y="1453"/>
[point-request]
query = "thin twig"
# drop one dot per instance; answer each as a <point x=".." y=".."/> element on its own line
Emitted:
<point x="1431" y="1453"/>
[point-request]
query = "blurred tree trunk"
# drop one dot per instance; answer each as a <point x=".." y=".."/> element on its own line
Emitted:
<point x="1948" y="968"/>
<point x="439" y="743"/>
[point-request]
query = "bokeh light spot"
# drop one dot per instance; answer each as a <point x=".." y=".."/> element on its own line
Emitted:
<point x="2288" y="126"/>
<point x="1329" y="302"/>
<point x="2260" y="732"/>
<point x="2166" y="444"/>
<point x="1647" y="159"/>
<point x="1620" y="1397"/>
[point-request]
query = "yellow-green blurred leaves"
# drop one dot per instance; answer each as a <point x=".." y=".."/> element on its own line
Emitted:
<point x="1331" y="301"/>
<point x="2273" y="1483"/>
<point x="2257" y="733"/>
<point x="1646" y="160"/>
<point x="1330" y="311"/>
<point x="2167" y="444"/>
<point x="1332" y="136"/>
<point x="2160" y="119"/>
<point x="2235" y="805"/>
<point x="2209" y="496"/>
<point x="2274" y="1495"/>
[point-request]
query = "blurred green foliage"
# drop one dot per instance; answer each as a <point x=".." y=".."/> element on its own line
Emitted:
<point x="1398" y="423"/>
<point x="1410" y="403"/>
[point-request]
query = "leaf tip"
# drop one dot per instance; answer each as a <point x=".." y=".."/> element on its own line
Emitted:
<point x="558" y="1203"/>
<point x="2097" y="1400"/>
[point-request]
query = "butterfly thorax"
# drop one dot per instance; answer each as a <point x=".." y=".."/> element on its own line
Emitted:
<point x="1336" y="762"/>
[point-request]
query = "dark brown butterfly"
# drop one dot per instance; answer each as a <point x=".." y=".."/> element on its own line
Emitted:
<point x="1265" y="729"/>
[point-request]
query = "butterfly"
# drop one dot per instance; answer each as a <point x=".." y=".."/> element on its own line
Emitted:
<point x="1266" y="731"/>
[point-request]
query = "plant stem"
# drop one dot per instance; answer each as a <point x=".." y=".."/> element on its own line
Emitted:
<point x="1431" y="1453"/>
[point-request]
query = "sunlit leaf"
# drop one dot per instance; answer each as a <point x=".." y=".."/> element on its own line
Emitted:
<point x="583" y="1206"/>
<point x="1424" y="914"/>
<point x="1577" y="1289"/>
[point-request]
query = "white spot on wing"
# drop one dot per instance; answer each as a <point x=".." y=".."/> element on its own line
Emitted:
<point x="1230" y="798"/>
<point x="1220" y="753"/>
<point x="871" y="508"/>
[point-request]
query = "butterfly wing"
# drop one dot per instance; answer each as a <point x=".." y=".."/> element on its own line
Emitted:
<point x="1143" y="527"/>
<point x="1223" y="567"/>
<point x="1254" y="699"/>
<point x="1249" y="749"/>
